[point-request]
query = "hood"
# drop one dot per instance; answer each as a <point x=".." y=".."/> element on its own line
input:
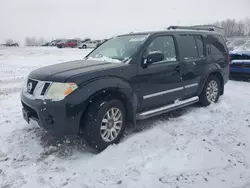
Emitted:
<point x="63" y="71"/>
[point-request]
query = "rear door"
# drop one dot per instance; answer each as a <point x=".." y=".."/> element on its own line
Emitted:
<point x="193" y="58"/>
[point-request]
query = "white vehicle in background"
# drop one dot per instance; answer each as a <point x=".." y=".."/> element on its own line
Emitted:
<point x="89" y="44"/>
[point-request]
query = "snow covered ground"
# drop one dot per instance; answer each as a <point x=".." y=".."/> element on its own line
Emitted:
<point x="193" y="147"/>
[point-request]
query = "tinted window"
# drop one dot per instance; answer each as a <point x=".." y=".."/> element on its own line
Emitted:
<point x="188" y="46"/>
<point x="200" y="46"/>
<point x="216" y="45"/>
<point x="164" y="44"/>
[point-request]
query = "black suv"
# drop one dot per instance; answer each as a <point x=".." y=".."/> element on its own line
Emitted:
<point x="129" y="77"/>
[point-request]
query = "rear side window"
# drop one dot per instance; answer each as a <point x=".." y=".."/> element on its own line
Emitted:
<point x="216" y="45"/>
<point x="188" y="46"/>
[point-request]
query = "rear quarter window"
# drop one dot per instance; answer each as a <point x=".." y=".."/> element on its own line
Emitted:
<point x="216" y="45"/>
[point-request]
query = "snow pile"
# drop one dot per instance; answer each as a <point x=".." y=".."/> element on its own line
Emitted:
<point x="194" y="147"/>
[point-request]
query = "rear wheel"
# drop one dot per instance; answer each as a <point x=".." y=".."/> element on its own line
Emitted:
<point x="211" y="91"/>
<point x="84" y="46"/>
<point x="104" y="123"/>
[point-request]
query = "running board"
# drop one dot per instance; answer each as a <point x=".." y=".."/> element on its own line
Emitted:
<point x="167" y="108"/>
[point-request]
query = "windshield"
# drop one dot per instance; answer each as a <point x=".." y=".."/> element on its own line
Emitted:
<point x="118" y="49"/>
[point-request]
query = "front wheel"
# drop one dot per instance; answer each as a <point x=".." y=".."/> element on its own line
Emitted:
<point x="104" y="123"/>
<point x="211" y="91"/>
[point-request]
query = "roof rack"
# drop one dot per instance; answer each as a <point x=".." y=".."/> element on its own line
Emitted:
<point x="190" y="27"/>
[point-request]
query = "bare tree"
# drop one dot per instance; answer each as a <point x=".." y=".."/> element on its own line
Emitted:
<point x="240" y="27"/>
<point x="33" y="41"/>
<point x="9" y="41"/>
<point x="41" y="41"/>
<point x="235" y="28"/>
<point x="247" y="26"/>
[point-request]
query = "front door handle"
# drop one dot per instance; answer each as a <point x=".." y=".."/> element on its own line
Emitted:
<point x="177" y="68"/>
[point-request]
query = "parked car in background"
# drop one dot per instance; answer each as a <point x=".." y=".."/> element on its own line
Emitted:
<point x="54" y="42"/>
<point x="10" y="45"/>
<point x="101" y="42"/>
<point x="46" y="44"/>
<point x="239" y="64"/>
<point x="61" y="44"/>
<point x="89" y="44"/>
<point x="73" y="43"/>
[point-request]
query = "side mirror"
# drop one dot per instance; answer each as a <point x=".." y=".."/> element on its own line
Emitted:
<point x="152" y="58"/>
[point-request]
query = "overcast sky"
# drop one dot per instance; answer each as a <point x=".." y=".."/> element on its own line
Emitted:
<point x="105" y="18"/>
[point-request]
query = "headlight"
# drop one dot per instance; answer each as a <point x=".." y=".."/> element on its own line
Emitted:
<point x="58" y="91"/>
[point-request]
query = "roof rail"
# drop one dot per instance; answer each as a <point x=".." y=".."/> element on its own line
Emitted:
<point x="190" y="27"/>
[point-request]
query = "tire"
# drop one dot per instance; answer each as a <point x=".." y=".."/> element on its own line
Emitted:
<point x="208" y="95"/>
<point x="93" y="121"/>
<point x="84" y="47"/>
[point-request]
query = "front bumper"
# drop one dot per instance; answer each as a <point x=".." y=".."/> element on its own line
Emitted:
<point x="53" y="116"/>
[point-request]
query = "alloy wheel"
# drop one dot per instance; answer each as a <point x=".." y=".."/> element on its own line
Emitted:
<point x="111" y="124"/>
<point x="212" y="91"/>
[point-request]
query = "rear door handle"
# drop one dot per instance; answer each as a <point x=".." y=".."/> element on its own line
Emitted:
<point x="177" y="68"/>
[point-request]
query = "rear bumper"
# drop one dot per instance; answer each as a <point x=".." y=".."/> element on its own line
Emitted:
<point x="52" y="116"/>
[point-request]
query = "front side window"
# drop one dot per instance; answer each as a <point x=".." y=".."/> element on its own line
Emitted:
<point x="118" y="49"/>
<point x="164" y="44"/>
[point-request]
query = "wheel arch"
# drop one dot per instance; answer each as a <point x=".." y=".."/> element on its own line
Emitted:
<point x="218" y="74"/>
<point x="103" y="88"/>
<point x="213" y="73"/>
<point x="111" y="93"/>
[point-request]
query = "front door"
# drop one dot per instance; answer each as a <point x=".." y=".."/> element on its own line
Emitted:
<point x="160" y="82"/>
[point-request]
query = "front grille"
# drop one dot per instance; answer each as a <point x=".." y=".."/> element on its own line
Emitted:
<point x="45" y="88"/>
<point x="31" y="85"/>
<point x="32" y="112"/>
<point x="37" y="88"/>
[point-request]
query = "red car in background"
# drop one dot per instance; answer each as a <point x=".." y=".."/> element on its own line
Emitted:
<point x="68" y="44"/>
